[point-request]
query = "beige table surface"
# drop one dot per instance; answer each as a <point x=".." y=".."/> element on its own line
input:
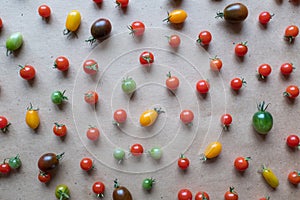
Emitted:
<point x="118" y="58"/>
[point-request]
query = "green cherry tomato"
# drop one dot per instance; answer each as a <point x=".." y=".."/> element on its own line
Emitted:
<point x="155" y="153"/>
<point x="262" y="120"/>
<point x="148" y="183"/>
<point x="62" y="192"/>
<point x="15" y="162"/>
<point x="14" y="42"/>
<point x="119" y="154"/>
<point x="57" y="97"/>
<point x="128" y="85"/>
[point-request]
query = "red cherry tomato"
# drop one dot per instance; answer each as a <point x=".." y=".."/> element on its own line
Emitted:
<point x="202" y="86"/>
<point x="187" y="117"/>
<point x="293" y="141"/>
<point x="90" y="67"/>
<point x="122" y="3"/>
<point x="291" y="32"/>
<point x="241" y="163"/>
<point x="27" y="72"/>
<point x="146" y="58"/>
<point x="226" y="120"/>
<point x="216" y="64"/>
<point x="44" y="177"/>
<point x="185" y="194"/>
<point x="44" y="11"/>
<point x="264" y="70"/>
<point x="204" y="38"/>
<point x="286" y="68"/>
<point x="137" y="28"/>
<point x="264" y="17"/>
<point x="5" y="168"/>
<point x="91" y="97"/>
<point x="174" y="41"/>
<point x="98" y="188"/>
<point x="241" y="49"/>
<point x="237" y="83"/>
<point x="86" y="164"/>
<point x="98" y="1"/>
<point x="231" y="194"/>
<point x="4" y="124"/>
<point x="60" y="130"/>
<point x="120" y="116"/>
<point x="136" y="150"/>
<point x="61" y="63"/>
<point x="294" y="177"/>
<point x="1" y="24"/>
<point x="172" y="82"/>
<point x="183" y="162"/>
<point x="292" y="91"/>
<point x="93" y="133"/>
<point x="201" y="196"/>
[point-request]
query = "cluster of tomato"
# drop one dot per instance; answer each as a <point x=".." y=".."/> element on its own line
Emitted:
<point x="10" y="163"/>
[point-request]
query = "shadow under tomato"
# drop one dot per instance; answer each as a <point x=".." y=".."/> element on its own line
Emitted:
<point x="234" y="28"/>
<point x="31" y="82"/>
<point x="98" y="5"/>
<point x="176" y="3"/>
<point x="260" y="136"/>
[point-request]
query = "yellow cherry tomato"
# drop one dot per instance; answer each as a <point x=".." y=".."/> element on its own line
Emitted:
<point x="270" y="177"/>
<point x="212" y="150"/>
<point x="148" y="117"/>
<point x="72" y="22"/>
<point x="176" y="17"/>
<point x="32" y="117"/>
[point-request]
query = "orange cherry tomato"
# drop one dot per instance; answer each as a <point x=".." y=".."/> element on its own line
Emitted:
<point x="291" y="33"/>
<point x="91" y="97"/>
<point x="294" y="177"/>
<point x="216" y="64"/>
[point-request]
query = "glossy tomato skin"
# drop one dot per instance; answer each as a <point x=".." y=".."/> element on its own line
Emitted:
<point x="57" y="97"/>
<point x="234" y="13"/>
<point x="172" y="82"/>
<point x="177" y="16"/>
<point x="147" y="183"/>
<point x="1" y="23"/>
<point x="120" y="116"/>
<point x="212" y="150"/>
<point x="62" y="192"/>
<point x="226" y="120"/>
<point x="93" y="133"/>
<point x="49" y="161"/>
<point x="61" y="63"/>
<point x="286" y="69"/>
<point x="262" y="120"/>
<point x="5" y="168"/>
<point x="291" y="32"/>
<point x="73" y="21"/>
<point x="44" y="177"/>
<point x="137" y="150"/>
<point x="241" y="49"/>
<point x="264" y="70"/>
<point x="202" y="86"/>
<point x="15" y="162"/>
<point x="91" y="97"/>
<point x="146" y="58"/>
<point x="216" y="64"/>
<point x="187" y="116"/>
<point x="183" y="162"/>
<point x="44" y="11"/>
<point x="4" y="124"/>
<point x="137" y="28"/>
<point x="99" y="188"/>
<point x="294" y="177"/>
<point x="27" y="72"/>
<point x="150" y="116"/>
<point x="204" y="38"/>
<point x="60" y="130"/>
<point x="292" y="91"/>
<point x="98" y="1"/>
<point x="174" y="41"/>
<point x="14" y="42"/>
<point x="101" y="29"/>
<point x="121" y="192"/>
<point x="201" y="196"/>
<point x="32" y="117"/>
<point x="86" y="164"/>
<point x="90" y="67"/>
<point x="231" y="194"/>
<point x="264" y="17"/>
<point x="293" y="141"/>
<point x="128" y="85"/>
<point x="185" y="194"/>
<point x="241" y="163"/>
<point x="122" y="3"/>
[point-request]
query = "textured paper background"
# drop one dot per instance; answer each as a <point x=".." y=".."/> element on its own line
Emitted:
<point x="118" y="58"/>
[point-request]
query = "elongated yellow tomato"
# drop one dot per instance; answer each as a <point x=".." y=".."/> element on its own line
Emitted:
<point x="212" y="150"/>
<point x="32" y="117"/>
<point x="176" y="17"/>
<point x="73" y="21"/>
<point x="270" y="177"/>
<point x="148" y="117"/>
